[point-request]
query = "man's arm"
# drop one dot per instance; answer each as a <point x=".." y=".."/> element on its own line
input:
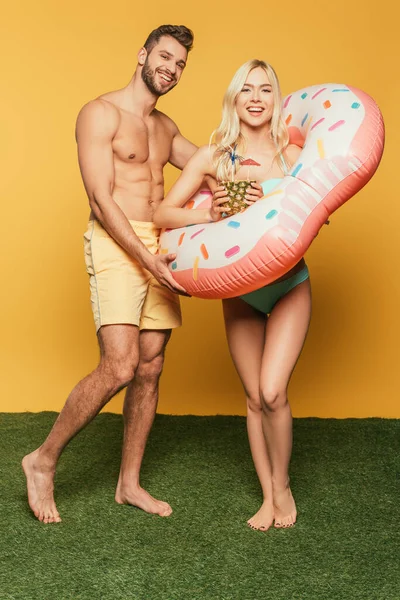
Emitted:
<point x="96" y="127"/>
<point x="171" y="213"/>
<point x="182" y="151"/>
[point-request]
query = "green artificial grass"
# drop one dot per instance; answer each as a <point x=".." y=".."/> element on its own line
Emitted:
<point x="345" y="479"/>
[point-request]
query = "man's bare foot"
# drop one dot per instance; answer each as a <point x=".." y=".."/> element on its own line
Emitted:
<point x="137" y="496"/>
<point x="285" y="508"/>
<point x="40" y="486"/>
<point x="264" y="518"/>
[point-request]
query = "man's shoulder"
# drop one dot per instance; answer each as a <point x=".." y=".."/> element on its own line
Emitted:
<point x="98" y="114"/>
<point x="98" y="108"/>
<point x="166" y="121"/>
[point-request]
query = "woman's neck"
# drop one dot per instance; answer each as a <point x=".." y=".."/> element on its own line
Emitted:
<point x="257" y="140"/>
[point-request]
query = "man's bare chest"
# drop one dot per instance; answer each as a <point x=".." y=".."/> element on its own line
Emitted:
<point x="138" y="143"/>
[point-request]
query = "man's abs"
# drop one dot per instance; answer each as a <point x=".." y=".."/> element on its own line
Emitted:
<point x="141" y="149"/>
<point x="138" y="200"/>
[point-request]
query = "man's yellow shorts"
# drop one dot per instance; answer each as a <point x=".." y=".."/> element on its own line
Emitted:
<point x="121" y="290"/>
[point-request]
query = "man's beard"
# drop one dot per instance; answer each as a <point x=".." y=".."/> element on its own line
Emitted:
<point x="149" y="78"/>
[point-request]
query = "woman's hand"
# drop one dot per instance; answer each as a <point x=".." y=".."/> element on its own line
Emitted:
<point x="218" y="199"/>
<point x="253" y="193"/>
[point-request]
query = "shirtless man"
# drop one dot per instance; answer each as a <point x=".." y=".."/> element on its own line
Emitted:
<point x="123" y="145"/>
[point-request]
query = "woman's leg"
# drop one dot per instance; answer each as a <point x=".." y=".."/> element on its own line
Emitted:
<point x="286" y="331"/>
<point x="245" y="331"/>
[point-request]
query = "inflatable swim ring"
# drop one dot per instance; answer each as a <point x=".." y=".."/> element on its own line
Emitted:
<point x="341" y="132"/>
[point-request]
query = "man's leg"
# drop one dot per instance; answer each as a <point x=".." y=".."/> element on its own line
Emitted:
<point x="119" y="349"/>
<point x="139" y="411"/>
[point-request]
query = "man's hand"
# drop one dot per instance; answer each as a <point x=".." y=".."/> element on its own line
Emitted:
<point x="159" y="268"/>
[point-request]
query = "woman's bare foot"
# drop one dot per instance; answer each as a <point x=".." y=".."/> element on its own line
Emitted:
<point x="137" y="496"/>
<point x="264" y="518"/>
<point x="285" y="508"/>
<point x="40" y="486"/>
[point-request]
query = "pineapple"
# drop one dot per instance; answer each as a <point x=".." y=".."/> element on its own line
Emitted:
<point x="236" y="191"/>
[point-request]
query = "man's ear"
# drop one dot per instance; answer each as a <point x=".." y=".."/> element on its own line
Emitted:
<point x="142" y="55"/>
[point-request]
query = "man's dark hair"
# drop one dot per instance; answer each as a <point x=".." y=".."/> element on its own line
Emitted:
<point x="182" y="34"/>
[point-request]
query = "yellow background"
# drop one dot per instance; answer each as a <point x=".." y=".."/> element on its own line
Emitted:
<point x="58" y="56"/>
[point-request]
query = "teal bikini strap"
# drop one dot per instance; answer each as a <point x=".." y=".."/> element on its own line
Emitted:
<point x="285" y="167"/>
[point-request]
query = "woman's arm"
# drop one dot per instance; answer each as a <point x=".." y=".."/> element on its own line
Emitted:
<point x="170" y="212"/>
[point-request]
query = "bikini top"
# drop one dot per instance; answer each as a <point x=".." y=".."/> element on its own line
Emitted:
<point x="269" y="184"/>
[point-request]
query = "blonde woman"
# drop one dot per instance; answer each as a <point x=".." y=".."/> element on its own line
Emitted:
<point x="266" y="329"/>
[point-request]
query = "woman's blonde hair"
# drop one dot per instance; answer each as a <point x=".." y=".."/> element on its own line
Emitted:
<point x="228" y="136"/>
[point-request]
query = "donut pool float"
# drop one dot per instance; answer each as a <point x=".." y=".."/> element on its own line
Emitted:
<point x="341" y="132"/>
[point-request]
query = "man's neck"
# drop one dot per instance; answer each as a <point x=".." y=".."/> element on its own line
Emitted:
<point x="137" y="97"/>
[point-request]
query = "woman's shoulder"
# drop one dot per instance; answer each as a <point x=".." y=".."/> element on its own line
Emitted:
<point x="204" y="155"/>
<point x="292" y="153"/>
<point x="207" y="151"/>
